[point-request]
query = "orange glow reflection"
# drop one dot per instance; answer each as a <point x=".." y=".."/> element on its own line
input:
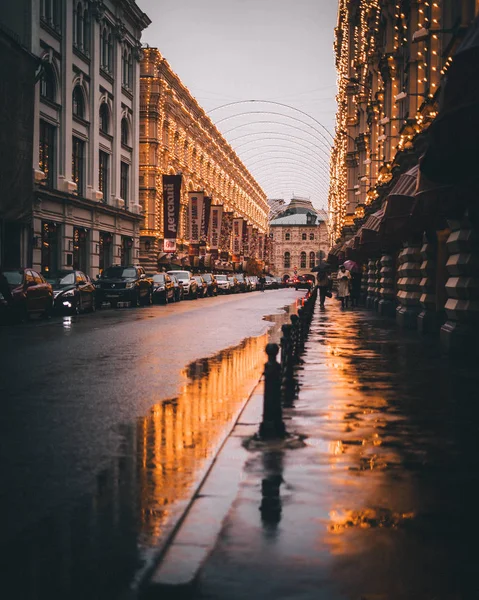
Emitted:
<point x="179" y="435"/>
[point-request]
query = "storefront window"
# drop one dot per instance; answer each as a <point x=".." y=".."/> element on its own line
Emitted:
<point x="50" y="245"/>
<point x="126" y="250"/>
<point x="106" y="250"/>
<point x="80" y="255"/>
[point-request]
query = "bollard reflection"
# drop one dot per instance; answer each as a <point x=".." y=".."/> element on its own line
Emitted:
<point x="271" y="506"/>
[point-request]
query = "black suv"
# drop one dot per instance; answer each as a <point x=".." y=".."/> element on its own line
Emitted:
<point x="124" y="284"/>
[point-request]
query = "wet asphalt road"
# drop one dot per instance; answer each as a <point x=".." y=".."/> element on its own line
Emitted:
<point x="380" y="502"/>
<point x="91" y="447"/>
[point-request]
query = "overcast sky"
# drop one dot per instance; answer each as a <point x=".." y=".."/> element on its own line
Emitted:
<point x="272" y="50"/>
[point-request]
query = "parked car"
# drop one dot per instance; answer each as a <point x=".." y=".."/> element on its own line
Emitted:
<point x="243" y="282"/>
<point x="30" y="294"/>
<point x="178" y="287"/>
<point x="190" y="286"/>
<point x="124" y="284"/>
<point x="253" y="281"/>
<point x="269" y="284"/>
<point x="211" y="283"/>
<point x="163" y="288"/>
<point x="234" y="284"/>
<point x="279" y="282"/>
<point x="73" y="291"/>
<point x="224" y="286"/>
<point x="202" y="286"/>
<point x="302" y="283"/>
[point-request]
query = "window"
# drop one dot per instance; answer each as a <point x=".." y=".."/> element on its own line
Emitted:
<point x="303" y="237"/>
<point x="50" y="246"/>
<point x="106" y="50"/>
<point x="80" y="241"/>
<point x="124" y="181"/>
<point x="311" y="236"/>
<point x="106" y="250"/>
<point x="47" y="83"/>
<point x="287" y="236"/>
<point x="312" y="260"/>
<point x="78" y="153"/>
<point x="50" y="13"/>
<point x="124" y="131"/>
<point x="302" y="263"/>
<point x="78" y="102"/>
<point x="104" y="117"/>
<point x="81" y="27"/>
<point x="287" y="260"/>
<point x="103" y="174"/>
<point x="46" y="158"/>
<point x="127" y="69"/>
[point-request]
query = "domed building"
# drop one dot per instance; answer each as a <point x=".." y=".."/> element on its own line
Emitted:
<point x="300" y="234"/>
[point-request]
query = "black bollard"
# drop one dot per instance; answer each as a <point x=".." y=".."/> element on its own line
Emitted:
<point x="288" y="386"/>
<point x="272" y="425"/>
<point x="301" y="320"/>
<point x="295" y="337"/>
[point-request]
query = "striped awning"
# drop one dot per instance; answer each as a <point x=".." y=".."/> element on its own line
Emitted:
<point x="407" y="183"/>
<point x="335" y="250"/>
<point x="374" y="221"/>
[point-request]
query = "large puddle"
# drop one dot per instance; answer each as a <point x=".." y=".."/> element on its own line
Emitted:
<point x="98" y="547"/>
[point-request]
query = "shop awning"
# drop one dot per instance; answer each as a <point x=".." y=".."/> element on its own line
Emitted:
<point x="374" y="221"/>
<point x="399" y="205"/>
<point x="453" y="152"/>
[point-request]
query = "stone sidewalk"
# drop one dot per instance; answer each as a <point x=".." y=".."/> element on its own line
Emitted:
<point x="379" y="502"/>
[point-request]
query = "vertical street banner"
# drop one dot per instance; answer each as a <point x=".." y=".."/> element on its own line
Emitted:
<point x="245" y="248"/>
<point x="195" y="214"/>
<point x="226" y="229"/>
<point x="237" y="236"/>
<point x="254" y="243"/>
<point x="205" y="219"/>
<point x="216" y="217"/>
<point x="171" y="211"/>
<point x="248" y="252"/>
<point x="261" y="246"/>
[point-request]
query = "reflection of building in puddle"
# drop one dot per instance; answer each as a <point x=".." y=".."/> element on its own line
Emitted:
<point x="178" y="435"/>
<point x="366" y="518"/>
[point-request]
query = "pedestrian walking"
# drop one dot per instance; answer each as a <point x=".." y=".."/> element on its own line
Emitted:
<point x="262" y="281"/>
<point x="324" y="285"/>
<point x="356" y="277"/>
<point x="344" y="279"/>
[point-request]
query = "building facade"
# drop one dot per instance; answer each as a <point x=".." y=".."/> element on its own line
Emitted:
<point x="177" y="136"/>
<point x="300" y="238"/>
<point x="85" y="210"/>
<point x="403" y="194"/>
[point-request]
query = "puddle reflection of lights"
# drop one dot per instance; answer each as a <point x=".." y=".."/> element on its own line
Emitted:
<point x="67" y="323"/>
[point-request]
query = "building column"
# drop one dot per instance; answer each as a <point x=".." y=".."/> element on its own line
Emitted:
<point x="95" y="252"/>
<point x="364" y="285"/>
<point x="117" y="242"/>
<point x="371" y="281"/>
<point x="387" y="304"/>
<point x="377" y="283"/>
<point x="408" y="284"/>
<point x="460" y="332"/>
<point x="427" y="320"/>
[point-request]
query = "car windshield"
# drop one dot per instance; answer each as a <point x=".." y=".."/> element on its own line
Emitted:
<point x="221" y="278"/>
<point x="118" y="273"/>
<point x="159" y="278"/>
<point x="198" y="278"/>
<point x="180" y="274"/>
<point x="14" y="277"/>
<point x="231" y="278"/>
<point x="240" y="277"/>
<point x="61" y="278"/>
<point x="207" y="277"/>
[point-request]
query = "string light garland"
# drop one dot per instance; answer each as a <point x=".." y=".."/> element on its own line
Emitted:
<point x="390" y="63"/>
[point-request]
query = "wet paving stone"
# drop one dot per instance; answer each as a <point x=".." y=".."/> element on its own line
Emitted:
<point x="380" y="502"/>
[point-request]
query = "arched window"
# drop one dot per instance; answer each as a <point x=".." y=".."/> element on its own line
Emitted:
<point x="50" y="13"/>
<point x="124" y="131"/>
<point x="287" y="260"/>
<point x="312" y="260"/>
<point x="287" y="236"/>
<point x="106" y="57"/>
<point x="124" y="68"/>
<point x="86" y="31"/>
<point x="311" y="236"/>
<point x="47" y="83"/>
<point x="104" y="117"/>
<point x="303" y="237"/>
<point x="110" y="53"/>
<point x="130" y="71"/>
<point x="302" y="262"/>
<point x="78" y="26"/>
<point x="78" y="102"/>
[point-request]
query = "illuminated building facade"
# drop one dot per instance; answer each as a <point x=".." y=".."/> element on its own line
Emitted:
<point x="299" y="232"/>
<point x="392" y="57"/>
<point x="177" y="136"/>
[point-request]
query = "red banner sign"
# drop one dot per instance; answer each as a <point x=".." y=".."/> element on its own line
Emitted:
<point x="171" y="211"/>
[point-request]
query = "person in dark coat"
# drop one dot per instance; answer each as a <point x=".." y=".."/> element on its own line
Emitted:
<point x="324" y="285"/>
<point x="355" y="287"/>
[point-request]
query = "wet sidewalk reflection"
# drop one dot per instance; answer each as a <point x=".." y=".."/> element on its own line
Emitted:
<point x="95" y="548"/>
<point x="380" y="503"/>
